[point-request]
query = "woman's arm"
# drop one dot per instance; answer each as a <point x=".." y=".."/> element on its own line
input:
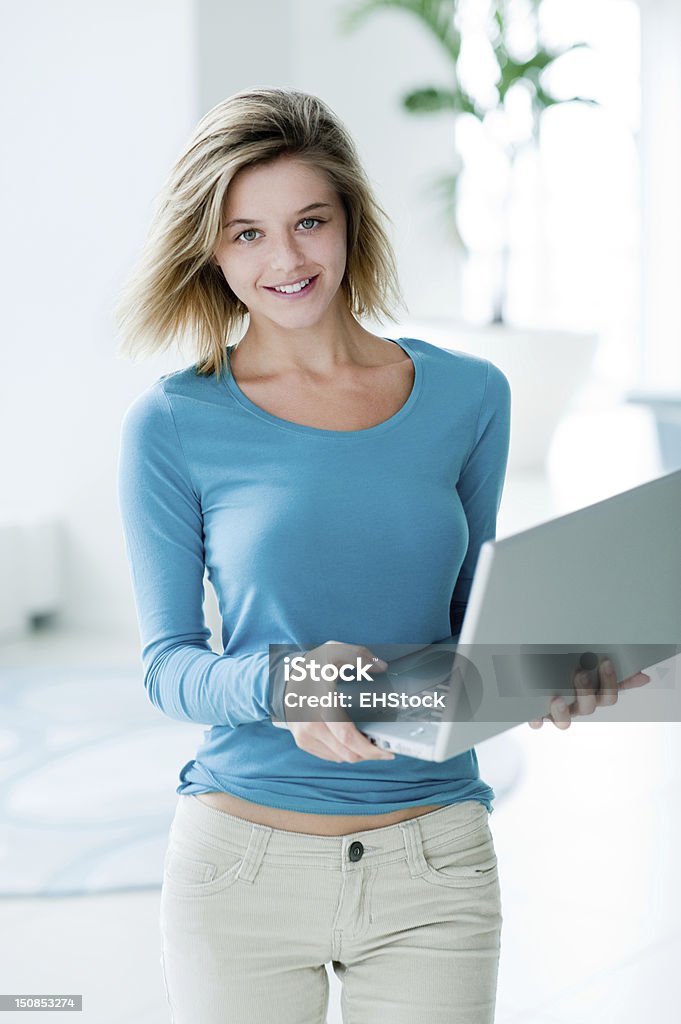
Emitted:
<point x="163" y="529"/>
<point x="481" y="482"/>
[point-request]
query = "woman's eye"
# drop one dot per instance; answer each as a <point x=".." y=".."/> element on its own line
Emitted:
<point x="307" y="220"/>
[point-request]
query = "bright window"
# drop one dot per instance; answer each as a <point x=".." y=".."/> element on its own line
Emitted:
<point x="574" y="213"/>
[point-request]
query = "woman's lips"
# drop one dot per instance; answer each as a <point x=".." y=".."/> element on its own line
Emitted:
<point x="296" y="295"/>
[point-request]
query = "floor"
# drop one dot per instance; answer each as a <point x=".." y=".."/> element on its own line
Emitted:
<point x="588" y="845"/>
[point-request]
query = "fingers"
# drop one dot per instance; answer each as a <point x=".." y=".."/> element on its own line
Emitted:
<point x="588" y="681"/>
<point x="640" y="679"/>
<point x="316" y="721"/>
<point x="587" y="699"/>
<point x="608" y="689"/>
<point x="560" y="713"/>
<point x="337" y="741"/>
<point x="345" y="652"/>
<point x="354" y="745"/>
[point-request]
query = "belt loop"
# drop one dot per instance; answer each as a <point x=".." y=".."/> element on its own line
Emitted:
<point x="255" y="851"/>
<point x="413" y="843"/>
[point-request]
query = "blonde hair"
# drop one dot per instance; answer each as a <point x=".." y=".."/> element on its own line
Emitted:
<point x="177" y="286"/>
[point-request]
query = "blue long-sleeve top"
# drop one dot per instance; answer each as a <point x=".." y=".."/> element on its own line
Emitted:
<point x="361" y="536"/>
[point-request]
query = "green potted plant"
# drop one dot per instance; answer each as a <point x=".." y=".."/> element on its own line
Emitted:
<point x="530" y="358"/>
<point x="453" y="100"/>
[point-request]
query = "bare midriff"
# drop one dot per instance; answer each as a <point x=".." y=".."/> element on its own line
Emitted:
<point x="310" y="824"/>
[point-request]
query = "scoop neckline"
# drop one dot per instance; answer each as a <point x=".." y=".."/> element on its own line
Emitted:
<point x="303" y="428"/>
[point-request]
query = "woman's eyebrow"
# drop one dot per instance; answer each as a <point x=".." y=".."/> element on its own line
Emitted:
<point x="241" y="220"/>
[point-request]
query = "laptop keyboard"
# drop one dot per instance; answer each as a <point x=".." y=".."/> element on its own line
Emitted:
<point x="425" y="714"/>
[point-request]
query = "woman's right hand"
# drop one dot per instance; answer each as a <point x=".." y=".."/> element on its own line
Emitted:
<point x="330" y="733"/>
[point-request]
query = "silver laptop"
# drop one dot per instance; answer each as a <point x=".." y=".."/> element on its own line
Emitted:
<point x="602" y="581"/>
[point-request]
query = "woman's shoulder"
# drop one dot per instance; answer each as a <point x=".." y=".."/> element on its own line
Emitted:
<point x="442" y="353"/>
<point x="185" y="382"/>
<point x="455" y="364"/>
<point x="153" y="407"/>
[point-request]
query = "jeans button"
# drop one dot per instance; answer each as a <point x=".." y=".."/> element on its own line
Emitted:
<point x="355" y="850"/>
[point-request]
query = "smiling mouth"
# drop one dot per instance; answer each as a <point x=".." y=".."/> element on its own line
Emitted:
<point x="294" y="290"/>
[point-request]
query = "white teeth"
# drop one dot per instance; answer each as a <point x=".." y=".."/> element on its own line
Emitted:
<point x="289" y="288"/>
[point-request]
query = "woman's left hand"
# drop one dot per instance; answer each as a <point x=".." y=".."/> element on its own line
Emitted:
<point x="587" y="700"/>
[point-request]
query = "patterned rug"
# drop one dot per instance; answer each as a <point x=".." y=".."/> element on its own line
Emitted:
<point x="88" y="771"/>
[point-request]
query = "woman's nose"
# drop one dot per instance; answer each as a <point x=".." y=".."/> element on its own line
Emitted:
<point x="286" y="254"/>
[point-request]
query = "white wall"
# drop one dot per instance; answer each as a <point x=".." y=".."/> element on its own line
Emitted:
<point x="660" y="147"/>
<point x="98" y="101"/>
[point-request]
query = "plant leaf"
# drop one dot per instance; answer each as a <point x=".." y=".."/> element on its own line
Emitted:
<point x="436" y="15"/>
<point x="430" y="99"/>
<point x="445" y="188"/>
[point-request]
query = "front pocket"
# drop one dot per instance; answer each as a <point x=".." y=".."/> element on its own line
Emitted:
<point x="186" y="875"/>
<point x="463" y="862"/>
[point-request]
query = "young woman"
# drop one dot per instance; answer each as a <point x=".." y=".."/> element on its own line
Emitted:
<point x="337" y="486"/>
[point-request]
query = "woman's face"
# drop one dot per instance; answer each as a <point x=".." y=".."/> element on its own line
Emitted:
<point x="296" y="231"/>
